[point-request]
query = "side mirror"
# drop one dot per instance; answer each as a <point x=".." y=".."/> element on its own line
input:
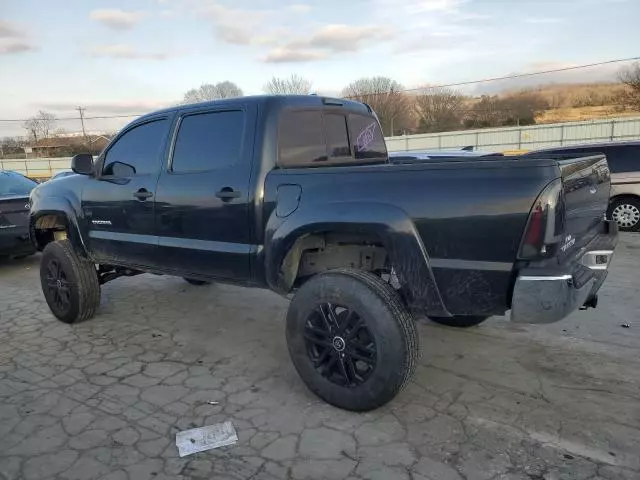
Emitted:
<point x="82" y="163"/>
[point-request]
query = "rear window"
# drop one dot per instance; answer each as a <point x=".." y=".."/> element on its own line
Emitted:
<point x="367" y="137"/>
<point x="313" y="138"/>
<point x="12" y="183"/>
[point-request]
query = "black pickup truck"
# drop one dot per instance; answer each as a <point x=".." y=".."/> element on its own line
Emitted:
<point x="296" y="194"/>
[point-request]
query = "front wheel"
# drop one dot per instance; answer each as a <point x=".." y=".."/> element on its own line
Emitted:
<point x="625" y="211"/>
<point x="351" y="339"/>
<point x="69" y="283"/>
<point x="460" y="321"/>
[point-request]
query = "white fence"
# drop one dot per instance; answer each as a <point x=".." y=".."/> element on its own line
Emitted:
<point x="36" y="167"/>
<point x="523" y="138"/>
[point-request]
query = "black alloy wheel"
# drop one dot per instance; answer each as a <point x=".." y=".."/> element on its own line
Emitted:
<point x="58" y="287"/>
<point x="340" y="345"/>
<point x="351" y="339"/>
<point x="69" y="282"/>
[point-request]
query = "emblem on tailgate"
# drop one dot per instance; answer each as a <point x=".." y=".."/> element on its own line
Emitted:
<point x="569" y="242"/>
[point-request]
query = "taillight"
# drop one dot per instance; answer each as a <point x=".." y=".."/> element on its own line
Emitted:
<point x="545" y="226"/>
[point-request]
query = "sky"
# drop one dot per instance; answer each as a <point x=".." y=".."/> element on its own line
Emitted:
<point x="120" y="57"/>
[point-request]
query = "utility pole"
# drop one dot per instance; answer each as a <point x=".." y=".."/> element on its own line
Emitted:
<point x="81" y="111"/>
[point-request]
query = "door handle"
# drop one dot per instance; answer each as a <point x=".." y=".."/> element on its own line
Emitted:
<point x="143" y="194"/>
<point x="227" y="194"/>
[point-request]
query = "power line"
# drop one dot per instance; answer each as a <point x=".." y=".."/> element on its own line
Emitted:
<point x="417" y="89"/>
<point x="76" y="118"/>
<point x="509" y="77"/>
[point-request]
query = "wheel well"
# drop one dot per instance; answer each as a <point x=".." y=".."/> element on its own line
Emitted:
<point x="624" y="195"/>
<point x="319" y="252"/>
<point x="48" y="228"/>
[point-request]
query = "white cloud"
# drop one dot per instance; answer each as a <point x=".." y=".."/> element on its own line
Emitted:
<point x="125" y="52"/>
<point x="13" y="39"/>
<point x="115" y="18"/>
<point x="342" y="38"/>
<point x="299" y="8"/>
<point x="293" y="55"/>
<point x="8" y="30"/>
<point x="326" y="40"/>
<point x="434" y="5"/>
<point x="8" y="46"/>
<point x="235" y="25"/>
<point x="542" y="20"/>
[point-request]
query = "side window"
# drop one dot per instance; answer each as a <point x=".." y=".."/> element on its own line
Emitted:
<point x="366" y="137"/>
<point x="335" y="126"/>
<point x="207" y="141"/>
<point x="137" y="152"/>
<point x="300" y="139"/>
<point x="623" y="159"/>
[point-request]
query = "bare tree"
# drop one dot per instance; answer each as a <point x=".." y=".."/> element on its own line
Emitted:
<point x="630" y="76"/>
<point x="439" y="109"/>
<point x="293" y="85"/>
<point x="32" y="126"/>
<point x="211" y="91"/>
<point x="385" y="97"/>
<point x="40" y="126"/>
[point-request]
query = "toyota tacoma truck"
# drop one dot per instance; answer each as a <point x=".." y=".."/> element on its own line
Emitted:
<point x="296" y="194"/>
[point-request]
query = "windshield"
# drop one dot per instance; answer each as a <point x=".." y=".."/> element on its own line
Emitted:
<point x="12" y="184"/>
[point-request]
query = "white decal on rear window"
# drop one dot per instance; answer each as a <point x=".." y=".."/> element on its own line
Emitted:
<point x="365" y="138"/>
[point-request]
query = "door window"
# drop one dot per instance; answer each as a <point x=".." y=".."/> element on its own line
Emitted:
<point x="301" y="139"/>
<point x="623" y="159"/>
<point x="137" y="151"/>
<point x="207" y="141"/>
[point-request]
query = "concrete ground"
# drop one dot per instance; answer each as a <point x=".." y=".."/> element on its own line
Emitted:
<point x="104" y="399"/>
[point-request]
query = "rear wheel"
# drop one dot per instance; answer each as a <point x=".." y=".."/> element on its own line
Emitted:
<point x="460" y="321"/>
<point x="351" y="339"/>
<point x="193" y="281"/>
<point x="69" y="283"/>
<point x="625" y="211"/>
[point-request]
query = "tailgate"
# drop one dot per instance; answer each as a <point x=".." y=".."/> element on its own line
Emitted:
<point x="14" y="212"/>
<point x="586" y="184"/>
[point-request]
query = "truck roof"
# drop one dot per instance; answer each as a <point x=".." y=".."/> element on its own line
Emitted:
<point x="272" y="101"/>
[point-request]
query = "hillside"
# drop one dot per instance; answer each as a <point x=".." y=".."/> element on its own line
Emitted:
<point x="576" y="102"/>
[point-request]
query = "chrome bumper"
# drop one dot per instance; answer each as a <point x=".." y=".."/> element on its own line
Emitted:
<point x="543" y="297"/>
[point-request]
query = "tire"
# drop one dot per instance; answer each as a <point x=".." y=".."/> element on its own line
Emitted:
<point x="380" y="332"/>
<point x="626" y="212"/>
<point x="193" y="281"/>
<point x="61" y="267"/>
<point x="460" y="321"/>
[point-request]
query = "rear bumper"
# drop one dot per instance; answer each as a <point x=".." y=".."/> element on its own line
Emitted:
<point x="15" y="241"/>
<point x="546" y="295"/>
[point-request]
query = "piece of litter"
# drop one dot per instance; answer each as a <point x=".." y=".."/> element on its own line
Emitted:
<point x="626" y="325"/>
<point x="205" y="438"/>
<point x="213" y="403"/>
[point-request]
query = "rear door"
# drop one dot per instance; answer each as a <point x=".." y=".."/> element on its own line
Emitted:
<point x="119" y="203"/>
<point x="202" y="201"/>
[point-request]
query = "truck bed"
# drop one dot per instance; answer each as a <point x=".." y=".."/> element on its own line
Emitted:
<point x="469" y="214"/>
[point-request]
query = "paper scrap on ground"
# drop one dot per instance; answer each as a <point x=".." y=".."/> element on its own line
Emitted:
<point x="205" y="438"/>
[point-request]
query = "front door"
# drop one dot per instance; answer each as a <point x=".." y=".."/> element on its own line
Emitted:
<point x="202" y="200"/>
<point x="119" y="204"/>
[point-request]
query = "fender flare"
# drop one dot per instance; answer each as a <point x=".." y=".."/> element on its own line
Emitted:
<point x="63" y="208"/>
<point x="390" y="224"/>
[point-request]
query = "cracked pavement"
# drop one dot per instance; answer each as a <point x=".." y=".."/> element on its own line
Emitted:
<point x="105" y="398"/>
